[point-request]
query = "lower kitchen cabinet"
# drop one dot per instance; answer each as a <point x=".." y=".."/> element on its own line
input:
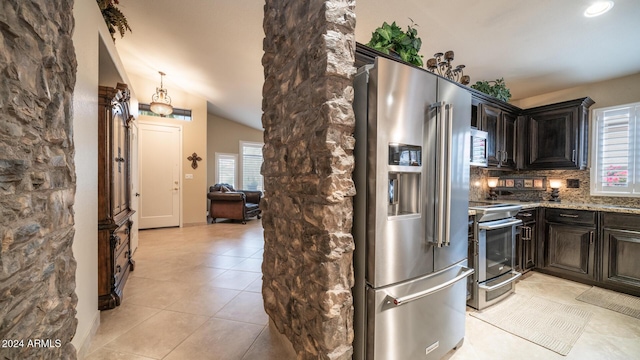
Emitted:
<point x="621" y="252"/>
<point x="570" y="244"/>
<point x="526" y="241"/>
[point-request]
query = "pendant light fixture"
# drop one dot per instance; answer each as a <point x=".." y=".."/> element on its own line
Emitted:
<point x="160" y="101"/>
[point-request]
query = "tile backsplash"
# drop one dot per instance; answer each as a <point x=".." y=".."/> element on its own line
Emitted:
<point x="479" y="190"/>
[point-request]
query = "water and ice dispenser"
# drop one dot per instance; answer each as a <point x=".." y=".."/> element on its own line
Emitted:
<point x="404" y="179"/>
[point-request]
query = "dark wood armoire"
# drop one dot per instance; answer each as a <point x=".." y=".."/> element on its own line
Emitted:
<point x="114" y="195"/>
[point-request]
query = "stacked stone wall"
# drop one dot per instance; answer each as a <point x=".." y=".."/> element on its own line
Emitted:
<point x="37" y="180"/>
<point x="309" y="50"/>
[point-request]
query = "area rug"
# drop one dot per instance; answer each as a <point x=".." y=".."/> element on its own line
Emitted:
<point x="552" y="325"/>
<point x="622" y="303"/>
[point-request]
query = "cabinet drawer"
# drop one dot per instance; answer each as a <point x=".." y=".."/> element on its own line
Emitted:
<point x="568" y="216"/>
<point x="120" y="239"/>
<point x="121" y="266"/>
<point x="621" y="221"/>
<point x="527" y="216"/>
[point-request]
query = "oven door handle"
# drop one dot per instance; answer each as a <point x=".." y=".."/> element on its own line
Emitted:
<point x="500" y="225"/>
<point x="515" y="276"/>
<point x="405" y="299"/>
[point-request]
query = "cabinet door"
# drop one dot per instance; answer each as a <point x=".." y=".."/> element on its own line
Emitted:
<point x="621" y="259"/>
<point x="491" y="124"/>
<point x="529" y="247"/>
<point x="553" y="139"/>
<point x="120" y="163"/>
<point x="507" y="140"/>
<point x="570" y="250"/>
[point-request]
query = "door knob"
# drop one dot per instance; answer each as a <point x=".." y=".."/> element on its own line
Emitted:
<point x="137" y="194"/>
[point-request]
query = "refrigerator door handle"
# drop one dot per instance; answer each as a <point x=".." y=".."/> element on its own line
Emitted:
<point x="405" y="299"/>
<point x="441" y="171"/>
<point x="447" y="184"/>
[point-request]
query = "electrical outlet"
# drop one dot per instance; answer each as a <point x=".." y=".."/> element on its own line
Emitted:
<point x="188" y="176"/>
<point x="573" y="183"/>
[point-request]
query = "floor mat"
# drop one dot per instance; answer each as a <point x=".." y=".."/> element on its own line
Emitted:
<point x="552" y="325"/>
<point x="622" y="303"/>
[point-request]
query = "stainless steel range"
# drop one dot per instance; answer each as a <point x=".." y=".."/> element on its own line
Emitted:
<point x="492" y="253"/>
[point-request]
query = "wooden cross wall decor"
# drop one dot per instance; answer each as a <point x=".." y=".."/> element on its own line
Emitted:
<point x="194" y="158"/>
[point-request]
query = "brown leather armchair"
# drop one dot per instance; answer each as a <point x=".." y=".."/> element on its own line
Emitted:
<point x="228" y="203"/>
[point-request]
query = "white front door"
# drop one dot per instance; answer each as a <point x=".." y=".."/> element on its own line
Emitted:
<point x="160" y="149"/>
<point x="134" y="190"/>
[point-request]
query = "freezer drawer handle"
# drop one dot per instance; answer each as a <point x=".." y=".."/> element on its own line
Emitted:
<point x="497" y="286"/>
<point x="500" y="225"/>
<point x="405" y="299"/>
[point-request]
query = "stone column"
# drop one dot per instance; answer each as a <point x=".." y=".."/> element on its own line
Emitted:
<point x="308" y="61"/>
<point x="37" y="180"/>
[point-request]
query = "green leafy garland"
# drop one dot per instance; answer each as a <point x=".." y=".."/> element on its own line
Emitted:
<point x="391" y="38"/>
<point x="498" y="90"/>
<point x="113" y="17"/>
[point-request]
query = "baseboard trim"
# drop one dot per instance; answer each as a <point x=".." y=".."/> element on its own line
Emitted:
<point x="83" y="351"/>
<point x="194" y="224"/>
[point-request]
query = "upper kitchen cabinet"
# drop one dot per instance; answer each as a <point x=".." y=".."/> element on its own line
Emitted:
<point x="498" y="119"/>
<point x="558" y="135"/>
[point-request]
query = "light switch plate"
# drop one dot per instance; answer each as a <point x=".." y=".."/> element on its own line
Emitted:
<point x="188" y="176"/>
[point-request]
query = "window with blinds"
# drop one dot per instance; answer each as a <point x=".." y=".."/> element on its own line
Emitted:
<point x="616" y="151"/>
<point x="226" y="169"/>
<point x="251" y="164"/>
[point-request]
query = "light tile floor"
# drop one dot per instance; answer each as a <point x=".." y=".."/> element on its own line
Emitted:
<point x="196" y="294"/>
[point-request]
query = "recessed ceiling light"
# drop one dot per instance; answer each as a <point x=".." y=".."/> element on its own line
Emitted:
<point x="598" y="8"/>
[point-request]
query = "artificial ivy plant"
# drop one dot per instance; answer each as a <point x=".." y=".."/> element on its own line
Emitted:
<point x="113" y="17"/>
<point x="391" y="39"/>
<point x="497" y="89"/>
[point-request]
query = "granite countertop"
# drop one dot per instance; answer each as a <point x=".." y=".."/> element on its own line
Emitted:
<point x="566" y="205"/>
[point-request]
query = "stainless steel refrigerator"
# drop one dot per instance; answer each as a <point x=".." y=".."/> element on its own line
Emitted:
<point x="411" y="212"/>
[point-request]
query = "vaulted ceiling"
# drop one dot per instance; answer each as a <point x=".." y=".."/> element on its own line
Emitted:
<point x="213" y="48"/>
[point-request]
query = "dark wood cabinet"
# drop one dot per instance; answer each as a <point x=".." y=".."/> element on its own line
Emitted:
<point x="558" y="135"/>
<point x="526" y="240"/>
<point x="499" y="120"/>
<point x="570" y="244"/>
<point x="114" y="183"/>
<point x="621" y="252"/>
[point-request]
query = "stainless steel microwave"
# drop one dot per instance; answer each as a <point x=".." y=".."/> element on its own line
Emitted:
<point x="479" y="148"/>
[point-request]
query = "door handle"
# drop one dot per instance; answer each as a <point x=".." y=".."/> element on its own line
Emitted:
<point x="405" y="299"/>
<point x="499" y="285"/>
<point x="573" y="155"/>
<point x="500" y="225"/>
<point x="590" y="237"/>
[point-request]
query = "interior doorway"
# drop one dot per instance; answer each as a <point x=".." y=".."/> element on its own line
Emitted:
<point x="160" y="151"/>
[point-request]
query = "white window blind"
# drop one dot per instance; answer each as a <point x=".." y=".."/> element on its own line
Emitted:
<point x="251" y="164"/>
<point x="226" y="169"/>
<point x="616" y="155"/>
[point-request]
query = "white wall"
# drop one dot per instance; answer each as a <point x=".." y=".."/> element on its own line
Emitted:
<point x="89" y="27"/>
<point x="623" y="90"/>
<point x="85" y="134"/>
